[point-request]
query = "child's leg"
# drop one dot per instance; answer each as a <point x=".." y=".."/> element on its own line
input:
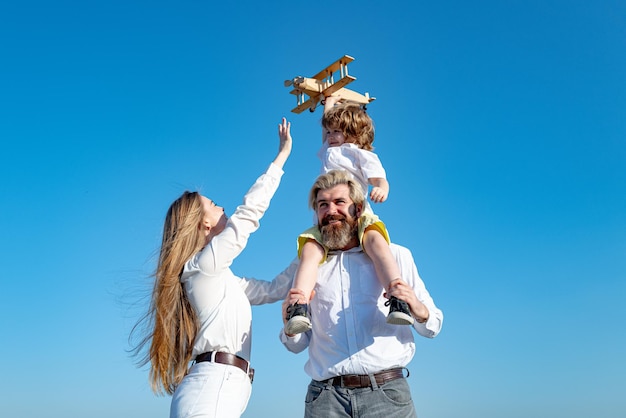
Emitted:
<point x="387" y="270"/>
<point x="311" y="256"/>
<point x="377" y="248"/>
<point x="306" y="275"/>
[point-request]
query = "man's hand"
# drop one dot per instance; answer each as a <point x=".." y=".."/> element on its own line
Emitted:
<point x="294" y="296"/>
<point x="403" y="291"/>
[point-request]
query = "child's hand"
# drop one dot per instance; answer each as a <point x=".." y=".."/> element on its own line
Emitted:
<point x="330" y="101"/>
<point x="380" y="189"/>
<point x="378" y="195"/>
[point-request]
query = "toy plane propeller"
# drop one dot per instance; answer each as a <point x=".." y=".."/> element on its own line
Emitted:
<point x="322" y="85"/>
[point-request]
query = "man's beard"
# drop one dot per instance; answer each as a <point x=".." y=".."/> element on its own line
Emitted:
<point x="338" y="236"/>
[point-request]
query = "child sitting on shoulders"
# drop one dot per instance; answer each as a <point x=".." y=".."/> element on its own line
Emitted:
<point x="347" y="137"/>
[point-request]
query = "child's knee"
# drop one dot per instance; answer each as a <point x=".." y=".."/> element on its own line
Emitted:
<point x="373" y="238"/>
<point x="313" y="250"/>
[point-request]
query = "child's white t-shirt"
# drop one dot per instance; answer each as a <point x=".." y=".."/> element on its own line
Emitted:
<point x="362" y="164"/>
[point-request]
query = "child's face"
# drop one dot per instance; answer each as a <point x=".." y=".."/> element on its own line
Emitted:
<point x="335" y="136"/>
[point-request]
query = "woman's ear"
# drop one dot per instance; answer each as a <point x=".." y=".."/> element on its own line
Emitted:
<point x="205" y="227"/>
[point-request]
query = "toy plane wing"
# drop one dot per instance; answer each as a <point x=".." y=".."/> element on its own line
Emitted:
<point x="311" y="103"/>
<point x="323" y="85"/>
<point x="340" y="65"/>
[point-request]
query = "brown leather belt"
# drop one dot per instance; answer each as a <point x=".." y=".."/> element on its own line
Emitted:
<point x="227" y="358"/>
<point x="363" y="380"/>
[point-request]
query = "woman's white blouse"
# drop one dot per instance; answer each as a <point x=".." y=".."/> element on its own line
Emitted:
<point x="221" y="299"/>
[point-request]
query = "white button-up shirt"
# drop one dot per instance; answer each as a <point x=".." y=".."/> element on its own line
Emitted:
<point x="349" y="332"/>
<point x="221" y="299"/>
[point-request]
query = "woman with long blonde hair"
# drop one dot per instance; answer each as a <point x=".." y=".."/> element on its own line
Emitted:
<point x="200" y="311"/>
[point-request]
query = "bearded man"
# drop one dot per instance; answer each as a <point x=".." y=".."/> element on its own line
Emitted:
<point x="357" y="361"/>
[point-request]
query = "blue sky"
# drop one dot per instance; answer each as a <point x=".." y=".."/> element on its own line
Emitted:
<point x="502" y="126"/>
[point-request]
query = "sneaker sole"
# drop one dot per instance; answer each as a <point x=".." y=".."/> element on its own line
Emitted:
<point x="399" y="318"/>
<point x="297" y="325"/>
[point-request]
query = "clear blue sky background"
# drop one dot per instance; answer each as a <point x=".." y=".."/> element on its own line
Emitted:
<point x="502" y="126"/>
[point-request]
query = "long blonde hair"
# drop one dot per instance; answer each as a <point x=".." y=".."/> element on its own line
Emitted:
<point x="173" y="321"/>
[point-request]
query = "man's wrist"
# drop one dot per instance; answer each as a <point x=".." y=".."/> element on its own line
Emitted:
<point x="422" y="319"/>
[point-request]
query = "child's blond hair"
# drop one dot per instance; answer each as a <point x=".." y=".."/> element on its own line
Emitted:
<point x="353" y="121"/>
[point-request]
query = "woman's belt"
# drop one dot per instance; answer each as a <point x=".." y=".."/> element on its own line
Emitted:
<point x="227" y="358"/>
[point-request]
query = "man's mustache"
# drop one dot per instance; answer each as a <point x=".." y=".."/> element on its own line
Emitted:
<point x="329" y="218"/>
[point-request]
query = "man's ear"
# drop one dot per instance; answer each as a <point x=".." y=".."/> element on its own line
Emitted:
<point x="359" y="210"/>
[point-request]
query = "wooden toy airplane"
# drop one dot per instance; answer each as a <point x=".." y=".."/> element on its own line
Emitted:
<point x="323" y="85"/>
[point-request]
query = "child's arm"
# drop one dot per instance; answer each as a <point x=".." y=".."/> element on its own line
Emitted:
<point x="380" y="191"/>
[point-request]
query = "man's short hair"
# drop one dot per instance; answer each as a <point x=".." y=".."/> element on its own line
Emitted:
<point x="334" y="178"/>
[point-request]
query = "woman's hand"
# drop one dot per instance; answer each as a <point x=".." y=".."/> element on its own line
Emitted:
<point x="285" y="143"/>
